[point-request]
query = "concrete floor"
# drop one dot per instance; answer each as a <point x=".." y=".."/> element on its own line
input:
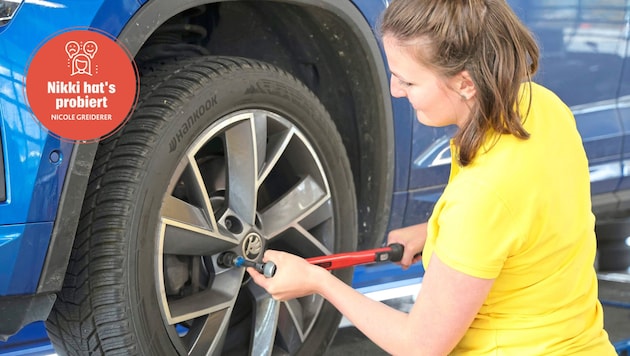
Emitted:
<point x="350" y="341"/>
<point x="614" y="293"/>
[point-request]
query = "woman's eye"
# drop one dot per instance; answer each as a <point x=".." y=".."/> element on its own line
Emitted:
<point x="403" y="83"/>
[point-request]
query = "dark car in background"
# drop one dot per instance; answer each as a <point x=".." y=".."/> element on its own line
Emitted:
<point x="268" y="120"/>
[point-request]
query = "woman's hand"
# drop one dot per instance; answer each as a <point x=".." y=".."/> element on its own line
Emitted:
<point x="413" y="238"/>
<point x="294" y="276"/>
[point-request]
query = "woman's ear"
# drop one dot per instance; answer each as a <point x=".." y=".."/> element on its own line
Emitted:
<point x="465" y="85"/>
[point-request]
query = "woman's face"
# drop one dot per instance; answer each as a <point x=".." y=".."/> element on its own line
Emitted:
<point x="436" y="100"/>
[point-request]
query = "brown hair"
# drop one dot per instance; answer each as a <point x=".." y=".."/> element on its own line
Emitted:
<point x="483" y="37"/>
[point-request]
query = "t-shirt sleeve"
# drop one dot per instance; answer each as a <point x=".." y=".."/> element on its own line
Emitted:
<point x="476" y="231"/>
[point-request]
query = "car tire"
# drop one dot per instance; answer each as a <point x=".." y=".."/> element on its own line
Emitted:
<point x="218" y="151"/>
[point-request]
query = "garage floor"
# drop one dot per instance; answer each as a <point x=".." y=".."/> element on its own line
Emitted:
<point x="614" y="291"/>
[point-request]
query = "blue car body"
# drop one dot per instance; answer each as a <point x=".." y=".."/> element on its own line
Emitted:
<point x="585" y="60"/>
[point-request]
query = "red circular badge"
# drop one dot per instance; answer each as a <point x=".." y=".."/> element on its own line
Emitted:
<point x="81" y="85"/>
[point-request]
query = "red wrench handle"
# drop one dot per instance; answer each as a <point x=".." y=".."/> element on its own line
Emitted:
<point x="391" y="253"/>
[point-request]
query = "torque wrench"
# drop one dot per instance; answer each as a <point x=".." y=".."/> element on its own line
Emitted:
<point x="391" y="253"/>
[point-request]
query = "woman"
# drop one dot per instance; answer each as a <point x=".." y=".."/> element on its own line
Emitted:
<point x="509" y="249"/>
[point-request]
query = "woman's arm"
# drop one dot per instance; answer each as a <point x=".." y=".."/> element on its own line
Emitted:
<point x="446" y="306"/>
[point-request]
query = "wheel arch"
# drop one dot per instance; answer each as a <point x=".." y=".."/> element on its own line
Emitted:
<point x="328" y="45"/>
<point x="333" y="51"/>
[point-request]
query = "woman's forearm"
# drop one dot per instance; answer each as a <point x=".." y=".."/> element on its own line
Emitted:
<point x="443" y="311"/>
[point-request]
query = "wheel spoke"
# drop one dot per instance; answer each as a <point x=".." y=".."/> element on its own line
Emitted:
<point x="277" y="145"/>
<point x="175" y="209"/>
<point x="292" y="320"/>
<point x="266" y="311"/>
<point x="242" y="147"/>
<point x="304" y="198"/>
<point x="295" y="321"/>
<point x="322" y="213"/>
<point x="259" y="122"/>
<point x="300" y="242"/>
<point x="219" y="297"/>
<point x="197" y="193"/>
<point x="186" y="231"/>
<point x="209" y="336"/>
<point x="180" y="239"/>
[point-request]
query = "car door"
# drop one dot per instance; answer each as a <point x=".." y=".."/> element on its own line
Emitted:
<point x="583" y="45"/>
<point x="623" y="103"/>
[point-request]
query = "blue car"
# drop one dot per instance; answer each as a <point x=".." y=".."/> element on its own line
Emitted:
<point x="258" y="122"/>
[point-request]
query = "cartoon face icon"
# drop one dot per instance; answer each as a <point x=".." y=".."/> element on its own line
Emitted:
<point x="72" y="48"/>
<point x="90" y="48"/>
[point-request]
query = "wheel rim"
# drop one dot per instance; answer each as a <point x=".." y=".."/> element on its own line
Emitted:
<point x="251" y="172"/>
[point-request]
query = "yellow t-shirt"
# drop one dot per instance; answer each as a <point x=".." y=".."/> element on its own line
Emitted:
<point x="520" y="213"/>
